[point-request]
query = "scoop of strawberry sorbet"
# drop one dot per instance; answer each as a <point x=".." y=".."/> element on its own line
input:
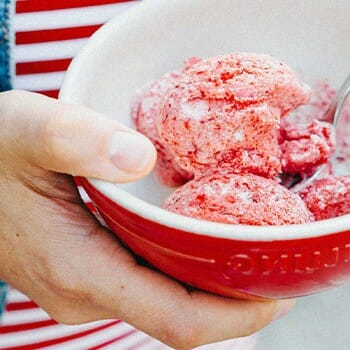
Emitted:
<point x="145" y="109"/>
<point x="225" y="112"/>
<point x="238" y="199"/>
<point x="306" y="146"/>
<point x="329" y="197"/>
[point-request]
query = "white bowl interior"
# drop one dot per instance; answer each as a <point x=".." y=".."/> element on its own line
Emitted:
<point x="157" y="36"/>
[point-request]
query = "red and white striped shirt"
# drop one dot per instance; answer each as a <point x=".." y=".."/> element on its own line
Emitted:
<point x="48" y="34"/>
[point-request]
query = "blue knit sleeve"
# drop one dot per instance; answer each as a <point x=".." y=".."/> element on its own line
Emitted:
<point x="5" y="83"/>
<point x="3" y="290"/>
<point x="5" y="44"/>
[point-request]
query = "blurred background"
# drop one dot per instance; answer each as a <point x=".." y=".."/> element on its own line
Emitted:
<point x="318" y="322"/>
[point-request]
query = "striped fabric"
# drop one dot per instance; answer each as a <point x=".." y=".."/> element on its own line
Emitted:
<point x="48" y="33"/>
<point x="26" y="327"/>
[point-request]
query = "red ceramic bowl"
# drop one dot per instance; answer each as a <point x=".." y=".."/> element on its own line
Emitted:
<point x="155" y="37"/>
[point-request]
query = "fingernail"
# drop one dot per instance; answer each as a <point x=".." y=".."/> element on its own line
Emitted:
<point x="131" y="152"/>
<point x="283" y="307"/>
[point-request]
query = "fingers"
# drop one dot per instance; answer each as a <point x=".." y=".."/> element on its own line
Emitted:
<point x="186" y="320"/>
<point x="163" y="308"/>
<point x="71" y="139"/>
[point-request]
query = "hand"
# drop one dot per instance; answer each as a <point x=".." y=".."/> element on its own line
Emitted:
<point x="53" y="250"/>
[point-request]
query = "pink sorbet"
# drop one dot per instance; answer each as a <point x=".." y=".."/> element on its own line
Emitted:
<point x="306" y="146"/>
<point x="145" y="109"/>
<point x="238" y="199"/>
<point x="225" y="112"/>
<point x="328" y="197"/>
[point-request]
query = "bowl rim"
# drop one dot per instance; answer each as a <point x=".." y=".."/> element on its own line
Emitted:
<point x="183" y="223"/>
<point x="161" y="216"/>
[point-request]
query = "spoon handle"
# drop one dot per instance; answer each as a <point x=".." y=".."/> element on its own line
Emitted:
<point x="333" y="112"/>
<point x="332" y="116"/>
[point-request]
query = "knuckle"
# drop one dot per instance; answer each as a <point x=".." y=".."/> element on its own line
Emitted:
<point x="59" y="314"/>
<point x="48" y="129"/>
<point x="12" y="95"/>
<point x="65" y="286"/>
<point x="180" y="335"/>
<point x="68" y="294"/>
<point x="52" y="133"/>
<point x="62" y="131"/>
<point x="258" y="318"/>
<point x="65" y="315"/>
<point x="250" y="329"/>
<point x="8" y="99"/>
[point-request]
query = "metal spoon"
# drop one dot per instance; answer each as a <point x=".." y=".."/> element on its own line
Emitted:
<point x="332" y="116"/>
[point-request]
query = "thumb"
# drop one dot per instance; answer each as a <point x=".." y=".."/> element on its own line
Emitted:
<point x="71" y="139"/>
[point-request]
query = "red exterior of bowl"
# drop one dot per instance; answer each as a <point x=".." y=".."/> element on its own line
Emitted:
<point x="228" y="267"/>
